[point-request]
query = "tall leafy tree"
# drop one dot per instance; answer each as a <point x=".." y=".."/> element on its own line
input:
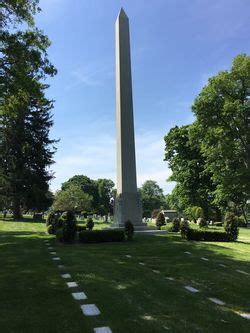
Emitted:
<point x="100" y="190"/>
<point x="152" y="197"/>
<point x="26" y="150"/>
<point x="223" y="120"/>
<point x="183" y="153"/>
<point x="72" y="199"/>
<point x="105" y="190"/>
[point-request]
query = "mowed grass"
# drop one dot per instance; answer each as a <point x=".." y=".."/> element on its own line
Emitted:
<point x="131" y="297"/>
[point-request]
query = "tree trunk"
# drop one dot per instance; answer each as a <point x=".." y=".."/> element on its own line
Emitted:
<point x="16" y="209"/>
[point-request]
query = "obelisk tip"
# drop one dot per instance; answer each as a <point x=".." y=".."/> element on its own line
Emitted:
<point x="122" y="13"/>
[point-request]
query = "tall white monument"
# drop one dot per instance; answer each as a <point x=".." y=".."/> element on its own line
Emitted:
<point x="127" y="202"/>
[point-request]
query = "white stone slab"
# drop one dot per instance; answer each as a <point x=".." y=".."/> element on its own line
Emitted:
<point x="169" y="278"/>
<point x="216" y="301"/>
<point x="90" y="310"/>
<point x="79" y="296"/>
<point x="72" y="284"/>
<point x="191" y="289"/>
<point x="222" y="265"/>
<point x="50" y="248"/>
<point x="187" y="252"/>
<point x="141" y="263"/>
<point x="128" y="256"/>
<point x="205" y="259"/>
<point x="155" y="271"/>
<point x="66" y="276"/>
<point x="244" y="315"/>
<point x="242" y="272"/>
<point x="53" y="253"/>
<point x="102" y="330"/>
<point x="61" y="266"/>
<point x="56" y="258"/>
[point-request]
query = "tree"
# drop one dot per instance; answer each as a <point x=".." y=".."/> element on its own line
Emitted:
<point x="26" y="150"/>
<point x="222" y="110"/>
<point x="152" y="197"/>
<point x="100" y="190"/>
<point x="194" y="185"/>
<point x="87" y="185"/>
<point x="17" y="11"/>
<point x="105" y="188"/>
<point x="72" y="199"/>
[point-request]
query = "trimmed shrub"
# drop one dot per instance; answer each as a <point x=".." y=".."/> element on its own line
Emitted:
<point x="90" y="224"/>
<point x="202" y="222"/>
<point x="207" y="235"/>
<point x="176" y="225"/>
<point x="129" y="230"/>
<point x="98" y="236"/>
<point x="184" y="226"/>
<point x="160" y="220"/>
<point x="68" y="225"/>
<point x="231" y="226"/>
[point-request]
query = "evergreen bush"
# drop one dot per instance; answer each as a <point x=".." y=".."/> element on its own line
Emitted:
<point x="160" y="220"/>
<point x="184" y="227"/>
<point x="90" y="224"/>
<point x="68" y="225"/>
<point x="231" y="226"/>
<point x="129" y="230"/>
<point x="176" y="225"/>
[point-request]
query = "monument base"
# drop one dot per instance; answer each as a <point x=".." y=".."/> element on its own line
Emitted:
<point x="128" y="207"/>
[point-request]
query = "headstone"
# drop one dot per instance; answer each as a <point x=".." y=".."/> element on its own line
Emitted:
<point x="90" y="310"/>
<point x="72" y="284"/>
<point x="102" y="330"/>
<point x="79" y="296"/>
<point x="191" y="289"/>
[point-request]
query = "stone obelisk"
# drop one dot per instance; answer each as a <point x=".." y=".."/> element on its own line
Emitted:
<point x="127" y="202"/>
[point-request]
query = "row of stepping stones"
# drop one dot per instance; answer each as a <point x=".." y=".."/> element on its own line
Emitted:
<point x="194" y="290"/>
<point x="87" y="309"/>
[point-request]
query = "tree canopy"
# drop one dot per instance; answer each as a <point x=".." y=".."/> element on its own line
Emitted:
<point x="152" y="197"/>
<point x="100" y="190"/>
<point x="209" y="159"/>
<point x="26" y="149"/>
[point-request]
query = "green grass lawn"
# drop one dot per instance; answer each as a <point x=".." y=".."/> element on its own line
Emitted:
<point x="131" y="297"/>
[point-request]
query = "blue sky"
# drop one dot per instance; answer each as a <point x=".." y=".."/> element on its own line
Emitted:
<point x="176" y="45"/>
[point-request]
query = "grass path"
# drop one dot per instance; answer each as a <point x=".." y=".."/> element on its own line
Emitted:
<point x="130" y="296"/>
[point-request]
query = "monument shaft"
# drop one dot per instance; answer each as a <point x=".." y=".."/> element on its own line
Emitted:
<point x="127" y="203"/>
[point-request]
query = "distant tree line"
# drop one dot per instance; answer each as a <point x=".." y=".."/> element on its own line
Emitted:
<point x="209" y="159"/>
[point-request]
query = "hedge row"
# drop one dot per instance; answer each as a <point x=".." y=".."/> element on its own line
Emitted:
<point x="98" y="236"/>
<point x="205" y="235"/>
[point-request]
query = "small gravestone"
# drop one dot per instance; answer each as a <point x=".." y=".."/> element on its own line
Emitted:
<point x="79" y="296"/>
<point x="155" y="271"/>
<point x="72" y="284"/>
<point x="216" y="301"/>
<point x="66" y="276"/>
<point x="191" y="289"/>
<point x="90" y="310"/>
<point x="102" y="330"/>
